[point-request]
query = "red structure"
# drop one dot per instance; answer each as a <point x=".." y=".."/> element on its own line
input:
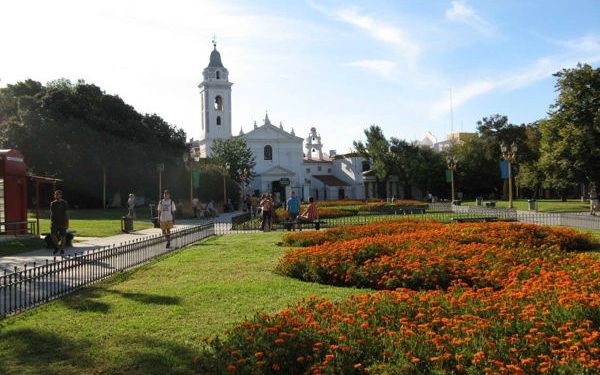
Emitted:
<point x="13" y="193"/>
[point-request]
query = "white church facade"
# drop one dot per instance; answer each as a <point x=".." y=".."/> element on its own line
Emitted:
<point x="285" y="162"/>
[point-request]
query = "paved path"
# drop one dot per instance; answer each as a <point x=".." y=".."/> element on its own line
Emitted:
<point x="85" y="244"/>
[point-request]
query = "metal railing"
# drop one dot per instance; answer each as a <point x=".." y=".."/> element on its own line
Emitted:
<point x="31" y="286"/>
<point x="246" y="224"/>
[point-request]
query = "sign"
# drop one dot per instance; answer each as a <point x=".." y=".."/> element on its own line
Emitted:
<point x="504" y="169"/>
<point x="448" y="176"/>
<point x="196" y="179"/>
<point x="284" y="181"/>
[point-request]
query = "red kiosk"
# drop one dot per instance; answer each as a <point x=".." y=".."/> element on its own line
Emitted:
<point x="13" y="193"/>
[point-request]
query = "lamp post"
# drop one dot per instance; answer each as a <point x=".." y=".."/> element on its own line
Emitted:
<point x="452" y="162"/>
<point x="225" y="172"/>
<point x="160" y="168"/>
<point x="188" y="159"/>
<point x="509" y="153"/>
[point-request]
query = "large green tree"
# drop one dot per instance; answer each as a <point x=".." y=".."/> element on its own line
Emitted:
<point x="570" y="136"/>
<point x="78" y="133"/>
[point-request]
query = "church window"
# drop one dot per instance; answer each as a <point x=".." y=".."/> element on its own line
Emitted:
<point x="218" y="120"/>
<point x="319" y="168"/>
<point x="218" y="103"/>
<point x="307" y="170"/>
<point x="268" y="152"/>
<point x="218" y="74"/>
<point x="365" y="166"/>
<point x="328" y="170"/>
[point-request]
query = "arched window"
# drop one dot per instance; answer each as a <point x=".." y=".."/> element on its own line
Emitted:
<point x="218" y="120"/>
<point x="218" y="74"/>
<point x="268" y="152"/>
<point x="218" y="103"/>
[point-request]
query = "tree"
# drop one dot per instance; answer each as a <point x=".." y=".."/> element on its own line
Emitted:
<point x="570" y="137"/>
<point x="376" y="150"/>
<point x="235" y="153"/>
<point x="75" y="131"/>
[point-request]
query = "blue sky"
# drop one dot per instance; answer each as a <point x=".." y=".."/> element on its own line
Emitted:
<point x="339" y="66"/>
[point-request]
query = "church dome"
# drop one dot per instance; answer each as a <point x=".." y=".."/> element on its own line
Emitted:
<point x="215" y="59"/>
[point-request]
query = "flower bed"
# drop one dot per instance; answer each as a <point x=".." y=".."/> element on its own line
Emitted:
<point x="473" y="298"/>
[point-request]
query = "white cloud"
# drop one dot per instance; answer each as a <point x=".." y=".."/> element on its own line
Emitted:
<point x="380" y="30"/>
<point x="462" y="13"/>
<point x="541" y="69"/>
<point x="383" y="68"/>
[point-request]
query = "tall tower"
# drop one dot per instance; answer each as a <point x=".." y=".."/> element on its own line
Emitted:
<point x="215" y="97"/>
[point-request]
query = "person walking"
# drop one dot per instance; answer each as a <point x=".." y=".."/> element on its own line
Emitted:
<point x="195" y="202"/>
<point x="293" y="207"/>
<point x="266" y="206"/>
<point x="166" y="209"/>
<point x="59" y="222"/>
<point x="131" y="206"/>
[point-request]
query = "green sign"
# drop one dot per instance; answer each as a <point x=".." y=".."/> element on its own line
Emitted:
<point x="196" y="179"/>
<point x="448" y="175"/>
<point x="284" y="181"/>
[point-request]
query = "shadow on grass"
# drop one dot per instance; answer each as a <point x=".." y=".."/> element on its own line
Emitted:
<point x="41" y="352"/>
<point x="90" y="300"/>
<point x="38" y="352"/>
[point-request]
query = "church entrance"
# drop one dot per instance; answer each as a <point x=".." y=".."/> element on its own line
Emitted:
<point x="278" y="191"/>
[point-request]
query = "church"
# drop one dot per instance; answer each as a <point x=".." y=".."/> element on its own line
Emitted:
<point x="285" y="162"/>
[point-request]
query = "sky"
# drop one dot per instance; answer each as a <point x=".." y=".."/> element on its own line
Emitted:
<point x="407" y="66"/>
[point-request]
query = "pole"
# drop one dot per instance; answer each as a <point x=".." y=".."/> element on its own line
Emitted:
<point x="224" y="192"/>
<point x="37" y="206"/>
<point x="452" y="178"/>
<point x="191" y="185"/>
<point x="510" y="203"/>
<point x="104" y="186"/>
<point x="159" y="184"/>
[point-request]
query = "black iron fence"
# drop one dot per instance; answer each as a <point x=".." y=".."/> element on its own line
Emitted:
<point x="32" y="286"/>
<point x="246" y="224"/>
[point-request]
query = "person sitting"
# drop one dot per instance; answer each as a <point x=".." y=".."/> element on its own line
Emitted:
<point x="210" y="209"/>
<point x="310" y="214"/>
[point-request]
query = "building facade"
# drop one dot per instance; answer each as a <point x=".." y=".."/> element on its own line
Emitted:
<point x="285" y="162"/>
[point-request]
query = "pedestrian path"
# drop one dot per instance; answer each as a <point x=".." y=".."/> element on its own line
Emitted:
<point x="87" y="244"/>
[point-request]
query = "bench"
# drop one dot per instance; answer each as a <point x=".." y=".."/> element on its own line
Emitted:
<point x="474" y="219"/>
<point x="69" y="239"/>
<point x="289" y="225"/>
<point x="490" y="204"/>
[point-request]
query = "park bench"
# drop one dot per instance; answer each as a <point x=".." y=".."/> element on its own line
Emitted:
<point x="490" y="204"/>
<point x="481" y="219"/>
<point x="291" y="224"/>
<point x="69" y="243"/>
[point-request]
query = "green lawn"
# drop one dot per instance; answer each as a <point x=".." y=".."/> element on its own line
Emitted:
<point x="96" y="222"/>
<point x="152" y="320"/>
<point x="544" y="205"/>
<point x="20" y="246"/>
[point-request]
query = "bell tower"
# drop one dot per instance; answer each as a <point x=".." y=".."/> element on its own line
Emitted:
<point x="215" y="97"/>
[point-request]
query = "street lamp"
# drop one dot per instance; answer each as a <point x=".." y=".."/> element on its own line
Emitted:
<point x="452" y="162"/>
<point x="188" y="159"/>
<point x="509" y="153"/>
<point x="225" y="172"/>
<point x="160" y="168"/>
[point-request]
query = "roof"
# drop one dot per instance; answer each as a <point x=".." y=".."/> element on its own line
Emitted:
<point x="331" y="180"/>
<point x="215" y="59"/>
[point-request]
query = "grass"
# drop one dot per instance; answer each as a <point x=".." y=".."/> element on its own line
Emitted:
<point x="543" y="205"/>
<point x="13" y="247"/>
<point x="152" y="320"/>
<point x="96" y="223"/>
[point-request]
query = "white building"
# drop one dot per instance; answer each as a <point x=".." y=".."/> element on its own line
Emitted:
<point x="284" y="161"/>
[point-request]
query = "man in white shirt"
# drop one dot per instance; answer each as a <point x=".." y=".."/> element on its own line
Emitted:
<point x="166" y="209"/>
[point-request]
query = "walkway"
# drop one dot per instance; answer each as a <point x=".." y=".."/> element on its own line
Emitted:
<point x="86" y="244"/>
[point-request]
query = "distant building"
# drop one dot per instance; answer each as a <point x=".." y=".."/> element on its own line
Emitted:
<point x="284" y="161"/>
<point x="430" y="140"/>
